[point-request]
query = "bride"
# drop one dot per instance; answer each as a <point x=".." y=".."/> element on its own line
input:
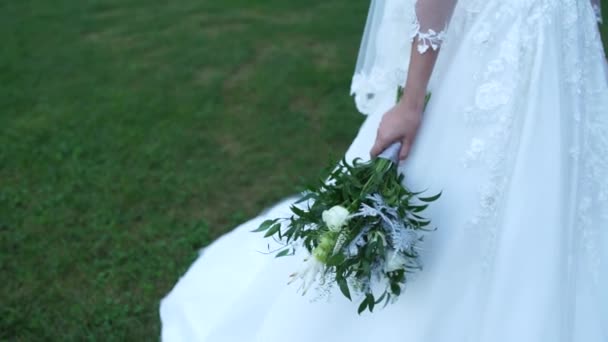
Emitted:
<point x="516" y="137"/>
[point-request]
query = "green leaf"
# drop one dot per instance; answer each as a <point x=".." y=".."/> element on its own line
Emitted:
<point x="423" y="223"/>
<point x="379" y="300"/>
<point x="430" y="199"/>
<point x="343" y="287"/>
<point x="418" y="217"/>
<point x="298" y="211"/>
<point x="419" y="208"/>
<point x="273" y="230"/>
<point x="283" y="253"/>
<point x="362" y="306"/>
<point x="265" y="225"/>
<point x="387" y="300"/>
<point x="399" y="93"/>
<point x="336" y="260"/>
<point x="371" y="301"/>
<point x="395" y="289"/>
<point x="289" y="232"/>
<point x="381" y="249"/>
<point x="306" y="197"/>
<point x="365" y="266"/>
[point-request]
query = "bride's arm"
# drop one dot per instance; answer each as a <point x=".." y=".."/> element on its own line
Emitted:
<point x="420" y="69"/>
<point x="402" y="121"/>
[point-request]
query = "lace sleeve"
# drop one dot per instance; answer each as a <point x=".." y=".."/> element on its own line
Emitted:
<point x="392" y="26"/>
<point x="431" y="20"/>
<point x="597" y="7"/>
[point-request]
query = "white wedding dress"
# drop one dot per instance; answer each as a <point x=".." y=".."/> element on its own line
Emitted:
<point x="516" y="137"/>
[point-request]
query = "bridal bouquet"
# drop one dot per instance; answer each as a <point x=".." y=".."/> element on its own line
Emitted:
<point x="361" y="228"/>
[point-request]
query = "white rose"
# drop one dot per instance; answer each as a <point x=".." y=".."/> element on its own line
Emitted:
<point x="394" y="261"/>
<point x="335" y="218"/>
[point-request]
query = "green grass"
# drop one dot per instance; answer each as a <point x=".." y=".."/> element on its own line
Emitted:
<point x="133" y="132"/>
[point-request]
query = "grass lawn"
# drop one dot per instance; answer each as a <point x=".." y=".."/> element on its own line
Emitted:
<point x="133" y="132"/>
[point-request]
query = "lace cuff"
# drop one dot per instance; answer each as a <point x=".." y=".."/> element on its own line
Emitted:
<point x="392" y="29"/>
<point x="429" y="39"/>
<point x="431" y="18"/>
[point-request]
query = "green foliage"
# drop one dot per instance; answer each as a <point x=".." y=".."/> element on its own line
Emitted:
<point x="350" y="186"/>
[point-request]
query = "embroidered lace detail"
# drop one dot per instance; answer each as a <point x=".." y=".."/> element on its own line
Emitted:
<point x="401" y="28"/>
<point x="490" y="114"/>
<point x="379" y="80"/>
<point x="429" y="39"/>
<point x="493" y="112"/>
<point x="582" y="51"/>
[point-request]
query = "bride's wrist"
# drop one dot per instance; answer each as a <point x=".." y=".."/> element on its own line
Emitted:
<point x="413" y="100"/>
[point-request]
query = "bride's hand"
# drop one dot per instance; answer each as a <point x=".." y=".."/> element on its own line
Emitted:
<point x="400" y="124"/>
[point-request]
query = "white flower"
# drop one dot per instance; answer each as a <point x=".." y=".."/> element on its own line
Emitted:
<point x="335" y="218"/>
<point x="394" y="261"/>
<point x="312" y="269"/>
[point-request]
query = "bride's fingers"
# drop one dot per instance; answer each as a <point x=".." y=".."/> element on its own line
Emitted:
<point x="405" y="149"/>
<point x="380" y="145"/>
<point x="407" y="143"/>
<point x="376" y="149"/>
